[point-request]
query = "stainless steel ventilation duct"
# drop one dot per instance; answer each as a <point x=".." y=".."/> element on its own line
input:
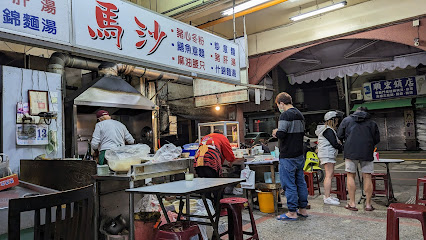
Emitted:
<point x="58" y="61"/>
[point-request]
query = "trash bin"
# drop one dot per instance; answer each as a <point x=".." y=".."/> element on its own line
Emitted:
<point x="266" y="202"/>
<point x="145" y="225"/>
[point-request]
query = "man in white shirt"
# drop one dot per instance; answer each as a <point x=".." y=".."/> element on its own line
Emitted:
<point x="109" y="134"/>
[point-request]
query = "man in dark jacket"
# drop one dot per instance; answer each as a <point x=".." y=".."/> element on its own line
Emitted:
<point x="360" y="134"/>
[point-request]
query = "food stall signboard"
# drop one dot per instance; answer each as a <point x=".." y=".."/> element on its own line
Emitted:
<point x="384" y="89"/>
<point x="124" y="29"/>
<point x="41" y="19"/>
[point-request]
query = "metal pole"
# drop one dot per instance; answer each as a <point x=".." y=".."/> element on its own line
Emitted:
<point x="97" y="204"/>
<point x="132" y="218"/>
<point x="346" y="95"/>
<point x="74" y="149"/>
<point x="233" y="19"/>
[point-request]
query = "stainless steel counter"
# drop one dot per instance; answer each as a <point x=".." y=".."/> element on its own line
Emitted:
<point x="22" y="190"/>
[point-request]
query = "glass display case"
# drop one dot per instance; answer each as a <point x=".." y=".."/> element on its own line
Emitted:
<point x="230" y="129"/>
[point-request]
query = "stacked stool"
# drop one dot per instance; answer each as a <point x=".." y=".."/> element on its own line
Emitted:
<point x="309" y="178"/>
<point x="340" y="190"/>
<point x="380" y="177"/>
<point x="234" y="207"/>
<point x="188" y="231"/>
<point x="401" y="210"/>
<point x="421" y="181"/>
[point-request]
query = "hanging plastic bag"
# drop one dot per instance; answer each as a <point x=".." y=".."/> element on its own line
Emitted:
<point x="149" y="203"/>
<point x="167" y="153"/>
<point x="4" y="166"/>
<point x="249" y="176"/>
<point x="128" y="152"/>
<point x="172" y="217"/>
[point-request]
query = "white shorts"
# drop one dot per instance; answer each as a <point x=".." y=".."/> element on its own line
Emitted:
<point x="327" y="160"/>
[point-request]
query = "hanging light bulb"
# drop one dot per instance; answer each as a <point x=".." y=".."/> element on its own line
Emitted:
<point x="217" y="103"/>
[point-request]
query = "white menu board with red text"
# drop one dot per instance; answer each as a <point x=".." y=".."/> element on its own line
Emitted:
<point x="125" y="29"/>
<point x="41" y="19"/>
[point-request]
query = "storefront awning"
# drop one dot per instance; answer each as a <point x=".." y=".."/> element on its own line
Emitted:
<point x="397" y="103"/>
<point x="402" y="62"/>
<point x="421" y="102"/>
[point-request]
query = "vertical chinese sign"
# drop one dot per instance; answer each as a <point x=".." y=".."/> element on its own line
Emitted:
<point x="47" y="20"/>
<point x="119" y="28"/>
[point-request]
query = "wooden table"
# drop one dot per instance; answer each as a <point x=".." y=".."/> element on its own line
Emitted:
<point x="274" y="186"/>
<point x="391" y="197"/>
<point x="185" y="189"/>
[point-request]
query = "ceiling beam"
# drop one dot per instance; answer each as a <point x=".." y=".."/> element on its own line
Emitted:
<point x="242" y="13"/>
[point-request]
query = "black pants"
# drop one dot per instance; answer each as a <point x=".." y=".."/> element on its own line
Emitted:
<point x="208" y="172"/>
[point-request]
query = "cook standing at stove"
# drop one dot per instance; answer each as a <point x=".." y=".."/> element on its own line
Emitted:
<point x="109" y="134"/>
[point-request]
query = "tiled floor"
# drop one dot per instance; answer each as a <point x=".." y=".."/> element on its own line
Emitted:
<point x="335" y="222"/>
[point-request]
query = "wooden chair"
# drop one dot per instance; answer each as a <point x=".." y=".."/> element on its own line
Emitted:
<point x="73" y="218"/>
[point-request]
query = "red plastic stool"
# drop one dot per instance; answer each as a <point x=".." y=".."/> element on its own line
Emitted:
<point x="309" y="178"/>
<point x="340" y="190"/>
<point x="401" y="210"/>
<point x="423" y="199"/>
<point x="235" y="206"/>
<point x="188" y="230"/>
<point x="380" y="177"/>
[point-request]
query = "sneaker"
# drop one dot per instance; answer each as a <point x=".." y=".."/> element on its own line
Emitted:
<point x="331" y="201"/>
<point x="334" y="198"/>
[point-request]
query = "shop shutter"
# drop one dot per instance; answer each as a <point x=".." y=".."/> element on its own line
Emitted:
<point x="381" y="123"/>
<point x="395" y="125"/>
<point x="392" y="130"/>
<point x="421" y="127"/>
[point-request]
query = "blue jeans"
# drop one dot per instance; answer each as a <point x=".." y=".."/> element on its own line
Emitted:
<point x="293" y="182"/>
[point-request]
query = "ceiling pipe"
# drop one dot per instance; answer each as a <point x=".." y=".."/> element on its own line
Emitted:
<point x="181" y="6"/>
<point x="240" y="14"/>
<point x="58" y="61"/>
<point x="153" y="74"/>
<point x="202" y="6"/>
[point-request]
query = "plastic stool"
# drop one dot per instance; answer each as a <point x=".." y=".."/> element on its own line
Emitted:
<point x="189" y="230"/>
<point x="401" y="210"/>
<point x="235" y="206"/>
<point x="422" y="199"/>
<point x="340" y="190"/>
<point x="309" y="178"/>
<point x="380" y="177"/>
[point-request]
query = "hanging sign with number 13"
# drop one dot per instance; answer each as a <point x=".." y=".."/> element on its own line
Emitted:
<point x="31" y="134"/>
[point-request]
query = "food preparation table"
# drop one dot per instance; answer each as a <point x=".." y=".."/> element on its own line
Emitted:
<point x="274" y="186"/>
<point x="185" y="189"/>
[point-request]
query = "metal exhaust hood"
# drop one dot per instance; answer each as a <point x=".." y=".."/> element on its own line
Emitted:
<point x="112" y="91"/>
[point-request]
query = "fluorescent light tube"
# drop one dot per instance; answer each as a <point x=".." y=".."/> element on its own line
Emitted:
<point x="244" y="6"/>
<point x="319" y="11"/>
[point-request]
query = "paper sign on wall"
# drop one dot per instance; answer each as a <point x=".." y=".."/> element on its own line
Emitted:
<point x="31" y="134"/>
